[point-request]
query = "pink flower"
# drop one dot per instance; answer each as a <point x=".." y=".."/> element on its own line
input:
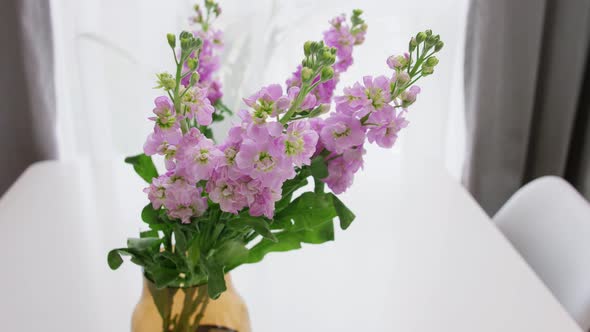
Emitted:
<point x="353" y="100"/>
<point x="385" y="127"/>
<point x="264" y="160"/>
<point x="214" y="92"/>
<point x="339" y="177"/>
<point x="316" y="124"/>
<point x="340" y="37"/>
<point x="197" y="162"/>
<point x="377" y="92"/>
<point x="249" y="128"/>
<point x="199" y="106"/>
<point x="184" y="200"/>
<point x="157" y="191"/>
<point x="341" y="132"/>
<point x="267" y="102"/>
<point x="226" y="191"/>
<point x="341" y="169"/>
<point x="264" y="202"/>
<point x="163" y="143"/>
<point x="165" y="114"/>
<point x="300" y="142"/>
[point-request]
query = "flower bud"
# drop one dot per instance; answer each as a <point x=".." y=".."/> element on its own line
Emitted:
<point x="306" y="74"/>
<point x="429" y="42"/>
<point x="420" y="37"/>
<point x="324" y="108"/>
<point x="427" y="70"/>
<point x="171" y="40"/>
<point x="402" y="78"/>
<point x="413" y="44"/>
<point x="432" y="61"/>
<point x="326" y="74"/>
<point x="439" y="45"/>
<point x="329" y="56"/>
<point x="397" y="62"/>
<point x="165" y="81"/>
<point x="408" y="97"/>
<point x="307" y="48"/>
<point x="194" y="78"/>
<point x="428" y="32"/>
<point x="192" y="63"/>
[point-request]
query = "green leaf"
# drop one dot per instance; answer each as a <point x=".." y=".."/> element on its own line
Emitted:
<point x="215" y="277"/>
<point x="163" y="276"/>
<point x="114" y="259"/>
<point x="344" y="214"/>
<point x="143" y="243"/>
<point x="319" y="169"/>
<point x="312" y="214"/>
<point x="309" y="210"/>
<point x="320" y="234"/>
<point x="169" y="260"/>
<point x="231" y="254"/>
<point x="150" y="233"/>
<point x="258" y="224"/>
<point x="181" y="239"/>
<point x="286" y="241"/>
<point x="144" y="166"/>
<point x="149" y="215"/>
<point x="194" y="253"/>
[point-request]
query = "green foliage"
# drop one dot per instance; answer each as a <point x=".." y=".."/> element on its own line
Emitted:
<point x="344" y="214"/>
<point x="143" y="166"/>
<point x="319" y="169"/>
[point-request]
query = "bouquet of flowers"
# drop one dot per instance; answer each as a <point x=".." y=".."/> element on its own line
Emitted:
<point x="218" y="205"/>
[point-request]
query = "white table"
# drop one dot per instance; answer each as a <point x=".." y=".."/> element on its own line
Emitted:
<point x="421" y="256"/>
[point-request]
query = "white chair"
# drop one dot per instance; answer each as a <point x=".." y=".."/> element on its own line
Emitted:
<point x="548" y="222"/>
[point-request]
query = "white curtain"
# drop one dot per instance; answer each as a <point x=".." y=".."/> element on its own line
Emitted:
<point x="108" y="51"/>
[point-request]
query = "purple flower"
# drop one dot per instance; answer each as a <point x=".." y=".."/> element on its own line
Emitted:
<point x="385" y="127"/>
<point x="300" y="142"/>
<point x="199" y="106"/>
<point x="341" y="132"/>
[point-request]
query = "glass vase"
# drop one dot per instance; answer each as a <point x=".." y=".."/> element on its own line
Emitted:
<point x="189" y="309"/>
